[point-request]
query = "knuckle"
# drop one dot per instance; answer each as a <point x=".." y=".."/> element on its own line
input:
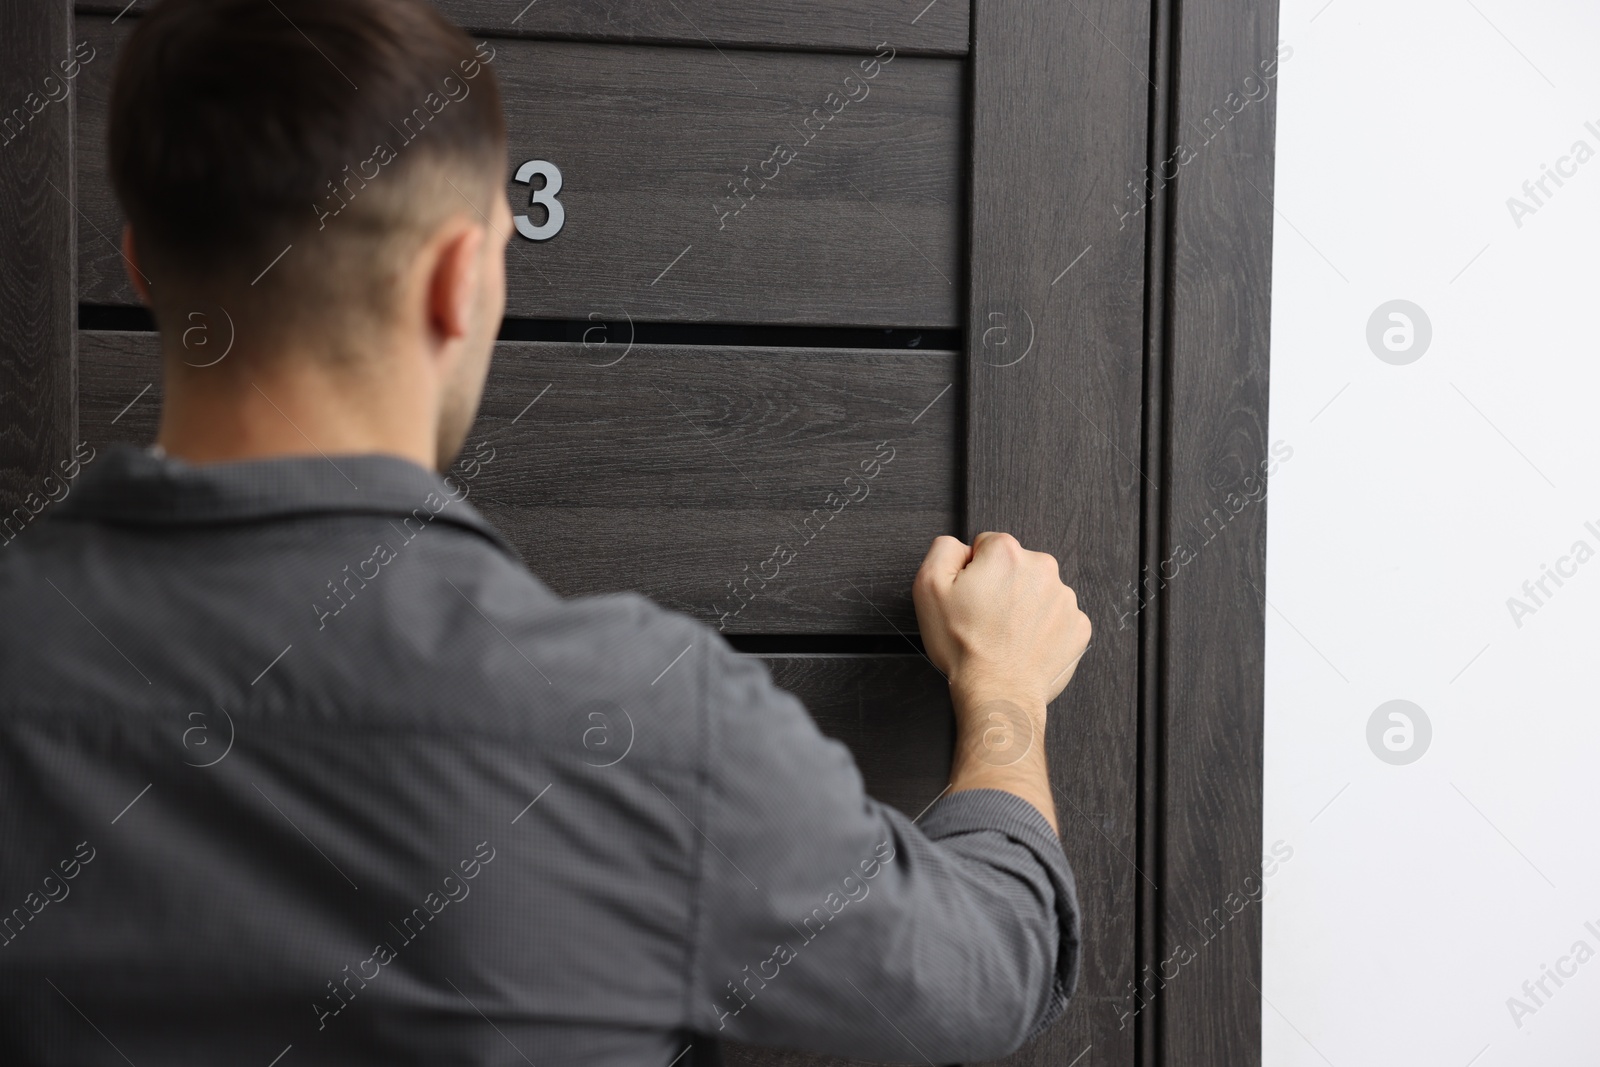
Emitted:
<point x="1008" y="544"/>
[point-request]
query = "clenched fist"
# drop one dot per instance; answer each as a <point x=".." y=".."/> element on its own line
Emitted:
<point x="997" y="619"/>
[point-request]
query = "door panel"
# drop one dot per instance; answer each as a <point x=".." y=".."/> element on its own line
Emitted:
<point x="688" y="191"/>
<point x="681" y="472"/>
<point x="921" y="28"/>
<point x="843" y="25"/>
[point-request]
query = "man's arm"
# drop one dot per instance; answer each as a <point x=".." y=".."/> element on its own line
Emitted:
<point x="829" y="922"/>
<point x="997" y="620"/>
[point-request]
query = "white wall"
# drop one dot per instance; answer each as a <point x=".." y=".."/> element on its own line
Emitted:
<point x="1420" y="497"/>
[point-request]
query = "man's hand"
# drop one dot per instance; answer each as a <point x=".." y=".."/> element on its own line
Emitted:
<point x="997" y="620"/>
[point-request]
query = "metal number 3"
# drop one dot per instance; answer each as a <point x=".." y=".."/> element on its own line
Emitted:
<point x="545" y="197"/>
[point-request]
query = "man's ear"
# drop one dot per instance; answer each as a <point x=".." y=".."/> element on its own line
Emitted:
<point x="130" y="258"/>
<point x="457" y="273"/>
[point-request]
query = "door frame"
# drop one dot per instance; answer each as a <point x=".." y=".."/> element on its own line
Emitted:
<point x="1125" y="149"/>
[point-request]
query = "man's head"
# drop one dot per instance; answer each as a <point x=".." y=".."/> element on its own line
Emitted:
<point x="320" y="184"/>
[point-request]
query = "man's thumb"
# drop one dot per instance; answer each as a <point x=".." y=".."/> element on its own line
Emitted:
<point x="945" y="559"/>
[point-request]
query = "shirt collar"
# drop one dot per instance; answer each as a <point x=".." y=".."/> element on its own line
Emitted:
<point x="147" y="487"/>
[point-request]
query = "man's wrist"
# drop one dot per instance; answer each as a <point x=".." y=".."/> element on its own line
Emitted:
<point x="998" y="731"/>
<point x="970" y="693"/>
<point x="1000" y="745"/>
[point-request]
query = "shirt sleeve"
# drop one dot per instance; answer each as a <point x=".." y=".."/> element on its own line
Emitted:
<point x="832" y="923"/>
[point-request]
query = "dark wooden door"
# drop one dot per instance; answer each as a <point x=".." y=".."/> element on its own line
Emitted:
<point x="832" y="277"/>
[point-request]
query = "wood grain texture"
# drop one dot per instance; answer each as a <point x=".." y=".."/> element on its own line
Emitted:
<point x="38" y="305"/>
<point x="917" y="26"/>
<point x="119" y="387"/>
<point x="1055" y="327"/>
<point x="860" y="227"/>
<point x="677" y="471"/>
<point x="1213" y="612"/>
<point x="737" y="1055"/>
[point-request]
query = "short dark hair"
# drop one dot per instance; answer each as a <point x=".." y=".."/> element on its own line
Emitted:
<point x="239" y="126"/>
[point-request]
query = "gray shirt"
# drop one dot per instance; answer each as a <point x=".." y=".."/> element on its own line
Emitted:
<point x="298" y="759"/>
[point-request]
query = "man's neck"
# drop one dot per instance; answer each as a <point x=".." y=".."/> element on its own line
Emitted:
<point x="292" y="410"/>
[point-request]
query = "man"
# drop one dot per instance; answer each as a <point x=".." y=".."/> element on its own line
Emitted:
<point x="297" y="761"/>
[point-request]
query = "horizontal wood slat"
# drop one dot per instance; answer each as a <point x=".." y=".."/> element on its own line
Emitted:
<point x="915" y="26"/>
<point x="681" y="471"/>
<point x="860" y="226"/>
<point x="37" y="302"/>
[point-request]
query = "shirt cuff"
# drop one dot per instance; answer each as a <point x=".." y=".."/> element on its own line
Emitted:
<point x="990" y="809"/>
<point x="996" y="811"/>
